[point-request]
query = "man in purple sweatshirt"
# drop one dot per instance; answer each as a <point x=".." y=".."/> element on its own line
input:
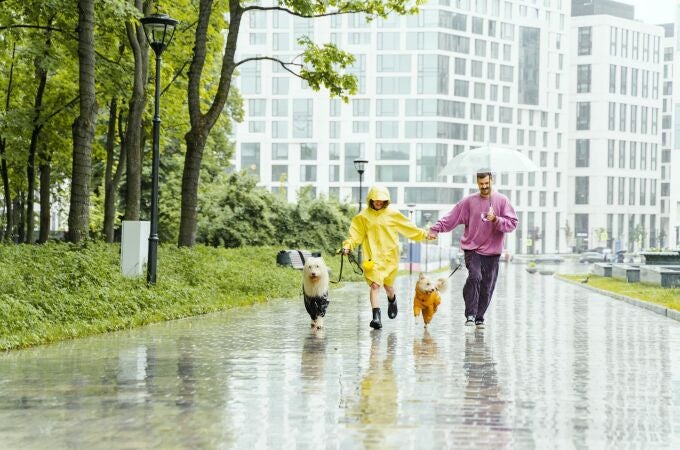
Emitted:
<point x="487" y="216"/>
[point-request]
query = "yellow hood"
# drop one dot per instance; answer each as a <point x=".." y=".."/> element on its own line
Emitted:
<point x="378" y="193"/>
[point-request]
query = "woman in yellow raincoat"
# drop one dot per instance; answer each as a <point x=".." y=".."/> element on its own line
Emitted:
<point x="377" y="229"/>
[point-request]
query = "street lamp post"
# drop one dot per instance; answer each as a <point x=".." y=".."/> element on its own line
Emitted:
<point x="411" y="208"/>
<point x="360" y="165"/>
<point x="426" y="216"/>
<point x="159" y="30"/>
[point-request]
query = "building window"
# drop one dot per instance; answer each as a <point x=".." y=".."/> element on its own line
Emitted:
<point x="584" y="40"/>
<point x="622" y="154"/>
<point x="583" y="78"/>
<point x="279" y="173"/>
<point x="393" y="151"/>
<point x="582" y="153"/>
<point x="624" y="80"/>
<point x="612" y="116"/>
<point x="392" y="173"/>
<point x="307" y="173"/>
<point x="303" y="111"/>
<point x="610" y="190"/>
<point x="308" y="152"/>
<point x="583" y="115"/>
<point x="612" y="79"/>
<point x="622" y="191"/>
<point x="333" y="173"/>
<point x="581" y="190"/>
<point x="430" y="159"/>
<point x="610" y="153"/>
<point x="528" y="70"/>
<point x="250" y="159"/>
<point x="631" y="191"/>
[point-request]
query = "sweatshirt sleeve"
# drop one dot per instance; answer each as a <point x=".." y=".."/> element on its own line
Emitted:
<point x="406" y="228"/>
<point x="357" y="231"/>
<point x="451" y="220"/>
<point x="506" y="220"/>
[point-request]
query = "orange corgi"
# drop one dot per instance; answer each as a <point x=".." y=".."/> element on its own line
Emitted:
<point x="427" y="297"/>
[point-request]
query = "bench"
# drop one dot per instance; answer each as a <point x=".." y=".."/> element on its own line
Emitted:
<point x="602" y="269"/>
<point x="626" y="272"/>
<point x="295" y="258"/>
<point x="665" y="276"/>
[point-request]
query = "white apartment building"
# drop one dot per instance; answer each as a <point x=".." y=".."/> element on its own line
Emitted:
<point x="670" y="153"/>
<point x="668" y="210"/>
<point x="460" y="74"/>
<point x="615" y="134"/>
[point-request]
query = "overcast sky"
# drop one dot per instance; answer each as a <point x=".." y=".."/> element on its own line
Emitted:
<point x="653" y="11"/>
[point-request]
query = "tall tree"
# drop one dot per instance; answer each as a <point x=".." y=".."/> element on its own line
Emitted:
<point x="112" y="177"/>
<point x="4" y="170"/>
<point x="83" y="126"/>
<point x="41" y="78"/>
<point x="137" y="104"/>
<point x="320" y="67"/>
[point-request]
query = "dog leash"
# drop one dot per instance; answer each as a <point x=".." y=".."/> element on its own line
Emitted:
<point x="454" y="271"/>
<point x="352" y="260"/>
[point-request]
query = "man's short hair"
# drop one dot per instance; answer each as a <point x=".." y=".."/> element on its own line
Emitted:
<point x="484" y="175"/>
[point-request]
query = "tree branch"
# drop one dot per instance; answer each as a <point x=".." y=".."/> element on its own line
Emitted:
<point x="306" y="16"/>
<point x="177" y="74"/>
<point x="35" y="27"/>
<point x="271" y="58"/>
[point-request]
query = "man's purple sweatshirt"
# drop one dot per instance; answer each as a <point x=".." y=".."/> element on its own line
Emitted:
<point x="485" y="238"/>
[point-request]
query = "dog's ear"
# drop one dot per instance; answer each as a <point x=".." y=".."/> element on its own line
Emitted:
<point x="421" y="276"/>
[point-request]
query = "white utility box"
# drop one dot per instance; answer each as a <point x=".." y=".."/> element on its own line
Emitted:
<point x="134" y="247"/>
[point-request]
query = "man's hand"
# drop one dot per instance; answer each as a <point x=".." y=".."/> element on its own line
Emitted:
<point x="491" y="215"/>
<point x="431" y="236"/>
<point x="346" y="251"/>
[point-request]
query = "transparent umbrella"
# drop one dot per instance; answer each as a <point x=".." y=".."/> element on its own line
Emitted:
<point x="488" y="159"/>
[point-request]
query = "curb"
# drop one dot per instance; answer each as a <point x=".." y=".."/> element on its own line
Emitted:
<point x="670" y="313"/>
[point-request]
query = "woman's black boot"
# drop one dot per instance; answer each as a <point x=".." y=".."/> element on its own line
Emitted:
<point x="392" y="307"/>
<point x="375" y="323"/>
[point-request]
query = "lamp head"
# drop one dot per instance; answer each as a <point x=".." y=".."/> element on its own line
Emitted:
<point x="360" y="165"/>
<point x="159" y="30"/>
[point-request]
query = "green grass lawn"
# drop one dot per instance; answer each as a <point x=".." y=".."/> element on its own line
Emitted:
<point x="670" y="298"/>
<point x="60" y="291"/>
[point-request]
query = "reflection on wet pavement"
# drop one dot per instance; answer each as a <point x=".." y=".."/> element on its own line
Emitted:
<point x="557" y="366"/>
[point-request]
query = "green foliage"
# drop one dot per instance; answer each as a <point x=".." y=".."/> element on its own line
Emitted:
<point x="60" y="291"/>
<point x="235" y="212"/>
<point x="668" y="297"/>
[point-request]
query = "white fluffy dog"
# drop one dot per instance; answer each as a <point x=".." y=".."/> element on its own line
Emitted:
<point x="315" y="290"/>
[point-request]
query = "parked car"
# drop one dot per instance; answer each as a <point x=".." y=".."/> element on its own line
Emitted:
<point x="606" y="252"/>
<point x="589" y="257"/>
<point x="548" y="259"/>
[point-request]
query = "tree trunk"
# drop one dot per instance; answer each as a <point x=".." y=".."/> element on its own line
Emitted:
<point x="201" y="124"/>
<point x="133" y="140"/>
<point x="8" y="194"/>
<point x="45" y="204"/>
<point x="3" y="164"/>
<point x="83" y="126"/>
<point x="112" y="178"/>
<point x="41" y="75"/>
<point x="19" y="217"/>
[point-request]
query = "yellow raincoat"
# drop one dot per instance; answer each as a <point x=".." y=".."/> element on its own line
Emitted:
<point x="378" y="233"/>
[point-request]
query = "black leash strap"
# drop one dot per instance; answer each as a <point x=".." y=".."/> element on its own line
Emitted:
<point x="454" y="271"/>
<point x="352" y="260"/>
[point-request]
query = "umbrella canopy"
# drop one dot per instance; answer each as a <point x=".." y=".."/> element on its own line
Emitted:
<point x="488" y="159"/>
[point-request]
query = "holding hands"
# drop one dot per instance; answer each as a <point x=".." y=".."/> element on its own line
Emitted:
<point x="431" y="235"/>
